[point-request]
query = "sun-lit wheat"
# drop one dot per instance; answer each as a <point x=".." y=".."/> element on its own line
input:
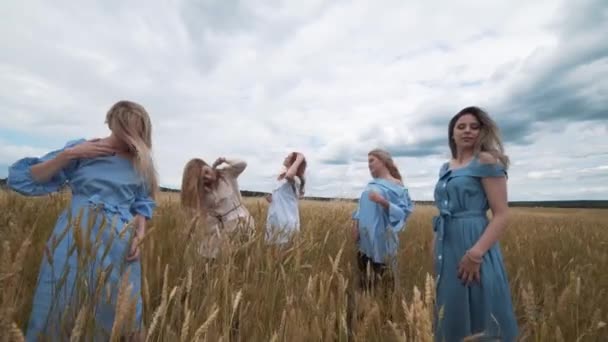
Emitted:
<point x="556" y="261"/>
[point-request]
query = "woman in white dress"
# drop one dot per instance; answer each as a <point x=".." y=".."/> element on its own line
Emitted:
<point x="283" y="220"/>
<point x="214" y="194"/>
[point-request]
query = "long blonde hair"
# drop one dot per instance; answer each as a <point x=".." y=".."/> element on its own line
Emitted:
<point x="386" y="158"/>
<point x="489" y="139"/>
<point x="193" y="189"/>
<point x="130" y="122"/>
<point x="193" y="185"/>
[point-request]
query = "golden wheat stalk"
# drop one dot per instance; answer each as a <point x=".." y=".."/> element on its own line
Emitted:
<point x="205" y="326"/>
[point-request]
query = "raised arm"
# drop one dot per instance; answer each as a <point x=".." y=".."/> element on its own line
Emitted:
<point x="35" y="176"/>
<point x="398" y="212"/>
<point x="46" y="170"/>
<point x="234" y="166"/>
<point x="293" y="169"/>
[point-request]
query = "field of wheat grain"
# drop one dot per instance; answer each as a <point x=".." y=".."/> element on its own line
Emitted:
<point x="556" y="260"/>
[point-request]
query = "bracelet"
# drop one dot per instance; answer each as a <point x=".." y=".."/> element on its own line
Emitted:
<point x="477" y="261"/>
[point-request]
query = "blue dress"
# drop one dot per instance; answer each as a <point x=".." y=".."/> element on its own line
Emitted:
<point x="106" y="185"/>
<point x="378" y="227"/>
<point x="486" y="307"/>
<point x="283" y="219"/>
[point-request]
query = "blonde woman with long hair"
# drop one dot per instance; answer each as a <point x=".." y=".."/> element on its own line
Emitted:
<point x="383" y="210"/>
<point x="472" y="286"/>
<point x="113" y="183"/>
<point x="213" y="193"/>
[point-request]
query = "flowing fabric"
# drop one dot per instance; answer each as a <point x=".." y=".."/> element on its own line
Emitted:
<point x="283" y="218"/>
<point x="107" y="193"/>
<point x="480" y="308"/>
<point x="378" y="227"/>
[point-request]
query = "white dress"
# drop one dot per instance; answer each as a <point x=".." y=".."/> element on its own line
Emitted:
<point x="283" y="219"/>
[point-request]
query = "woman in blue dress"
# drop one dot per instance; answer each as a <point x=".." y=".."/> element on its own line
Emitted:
<point x="473" y="295"/>
<point x="382" y="212"/>
<point x="283" y="218"/>
<point x="113" y="183"/>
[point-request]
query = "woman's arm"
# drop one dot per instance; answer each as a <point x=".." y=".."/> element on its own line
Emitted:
<point x="235" y="166"/>
<point x="293" y="169"/>
<point x="46" y="170"/>
<point x="496" y="192"/>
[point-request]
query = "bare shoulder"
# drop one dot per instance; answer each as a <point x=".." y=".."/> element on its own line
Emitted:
<point x="487" y="158"/>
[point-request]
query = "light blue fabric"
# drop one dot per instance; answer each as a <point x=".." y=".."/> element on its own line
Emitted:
<point x="107" y="185"/>
<point x="462" y="204"/>
<point x="378" y="227"/>
<point x="283" y="219"/>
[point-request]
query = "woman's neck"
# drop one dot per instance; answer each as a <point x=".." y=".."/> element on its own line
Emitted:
<point x="118" y="144"/>
<point x="385" y="175"/>
<point x="463" y="155"/>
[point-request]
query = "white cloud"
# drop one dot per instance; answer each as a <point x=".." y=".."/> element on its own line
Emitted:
<point x="256" y="80"/>
<point x="10" y="152"/>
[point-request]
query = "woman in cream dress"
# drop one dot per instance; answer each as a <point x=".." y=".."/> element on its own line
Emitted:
<point x="213" y="193"/>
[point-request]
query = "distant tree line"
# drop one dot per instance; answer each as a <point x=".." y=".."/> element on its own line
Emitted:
<point x="600" y="204"/>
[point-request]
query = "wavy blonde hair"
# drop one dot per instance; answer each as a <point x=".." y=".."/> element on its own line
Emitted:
<point x="489" y="139"/>
<point x="193" y="186"/>
<point x="386" y="158"/>
<point x="130" y="122"/>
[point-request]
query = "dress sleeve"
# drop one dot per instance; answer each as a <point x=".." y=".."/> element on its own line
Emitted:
<point x="235" y="167"/>
<point x="482" y="170"/>
<point x="399" y="211"/>
<point x="20" y="177"/>
<point x="144" y="204"/>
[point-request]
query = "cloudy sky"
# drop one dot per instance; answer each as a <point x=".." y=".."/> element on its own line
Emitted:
<point x="333" y="79"/>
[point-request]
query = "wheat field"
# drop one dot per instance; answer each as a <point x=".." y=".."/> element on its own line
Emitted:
<point x="556" y="260"/>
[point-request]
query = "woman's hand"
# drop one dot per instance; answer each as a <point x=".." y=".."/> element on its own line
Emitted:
<point x="45" y="171"/>
<point x="376" y="197"/>
<point x="268" y="198"/>
<point x="218" y="162"/>
<point x="134" y="250"/>
<point x="140" y="223"/>
<point x="469" y="267"/>
<point x="89" y="149"/>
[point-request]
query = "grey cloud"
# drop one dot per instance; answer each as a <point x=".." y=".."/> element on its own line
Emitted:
<point x="427" y="147"/>
<point x="581" y="17"/>
<point x="226" y="16"/>
<point x="566" y="84"/>
<point x="240" y="77"/>
<point x="336" y="161"/>
<point x="593" y="154"/>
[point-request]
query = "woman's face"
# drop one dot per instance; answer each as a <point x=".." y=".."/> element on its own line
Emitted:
<point x="466" y="131"/>
<point x="209" y="175"/>
<point x="376" y="166"/>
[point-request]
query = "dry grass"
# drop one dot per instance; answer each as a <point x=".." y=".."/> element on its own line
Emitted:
<point x="556" y="259"/>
